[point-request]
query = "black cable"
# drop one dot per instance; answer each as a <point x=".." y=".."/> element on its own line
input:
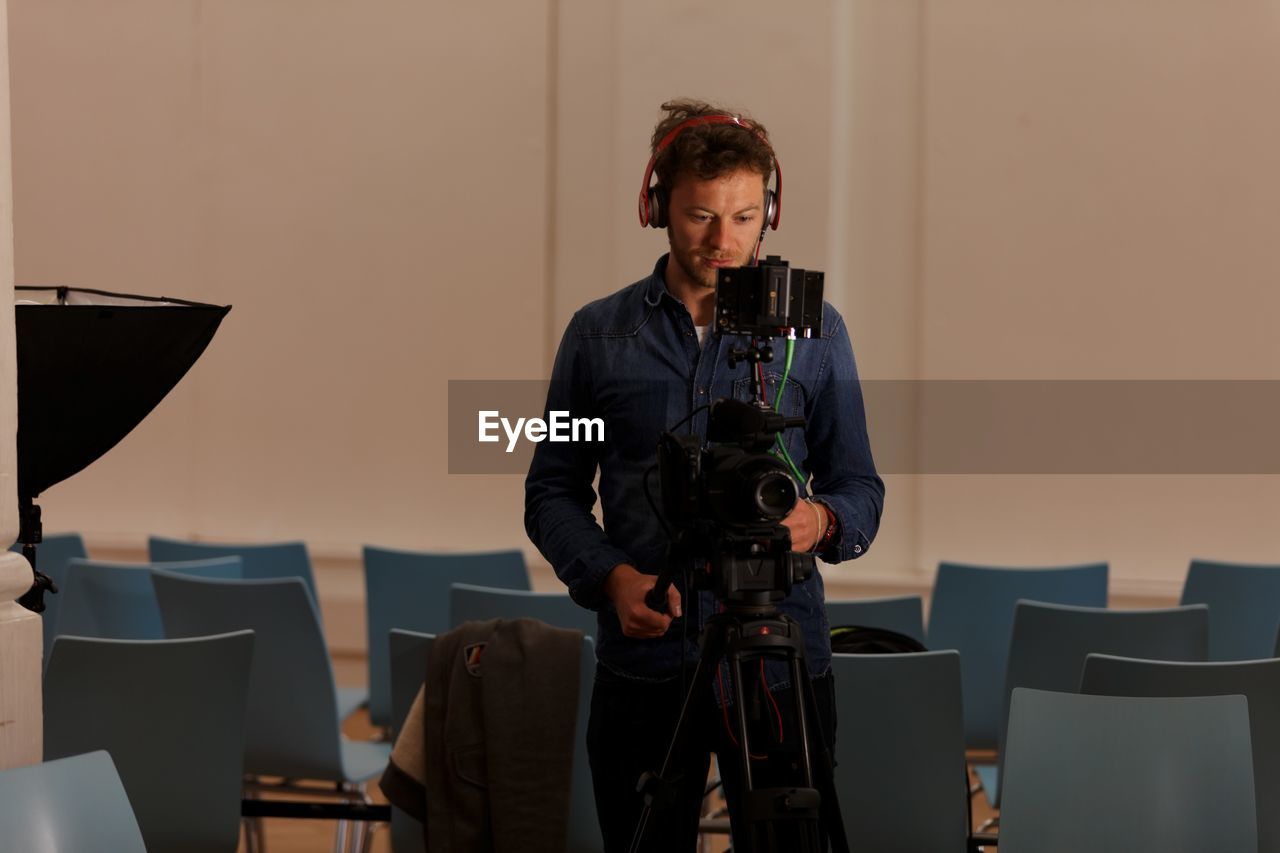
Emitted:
<point x="688" y="417"/>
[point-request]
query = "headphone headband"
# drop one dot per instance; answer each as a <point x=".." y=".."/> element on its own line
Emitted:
<point x="650" y="202"/>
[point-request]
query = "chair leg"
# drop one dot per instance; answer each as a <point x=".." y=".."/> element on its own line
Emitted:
<point x="260" y="835"/>
<point x="365" y="838"/>
<point x="340" y="837"/>
<point x="359" y="830"/>
<point x="250" y="839"/>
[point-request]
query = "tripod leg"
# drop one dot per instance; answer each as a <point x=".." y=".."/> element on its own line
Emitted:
<point x="824" y="777"/>
<point x="656" y="785"/>
<point x="778" y="807"/>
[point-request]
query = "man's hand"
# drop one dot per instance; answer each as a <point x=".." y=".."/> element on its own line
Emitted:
<point x="626" y="586"/>
<point x="807" y="522"/>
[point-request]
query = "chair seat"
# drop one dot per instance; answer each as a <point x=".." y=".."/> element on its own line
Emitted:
<point x="989" y="776"/>
<point x="350" y="700"/>
<point x="364" y="759"/>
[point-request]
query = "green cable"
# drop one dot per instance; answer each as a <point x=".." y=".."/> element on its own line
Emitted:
<point x="786" y="371"/>
<point x="777" y="407"/>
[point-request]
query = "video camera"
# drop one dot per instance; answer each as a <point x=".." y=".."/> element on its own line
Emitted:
<point x="726" y="500"/>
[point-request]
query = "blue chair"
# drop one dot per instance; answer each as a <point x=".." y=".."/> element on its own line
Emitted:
<point x="261" y="562"/>
<point x="409" y="651"/>
<point x="1256" y="680"/>
<point x="117" y="601"/>
<point x="469" y="603"/>
<point x="584" y="826"/>
<point x="293" y="729"/>
<point x="1127" y="774"/>
<point x="900" y="759"/>
<point x="972" y="612"/>
<point x="903" y="614"/>
<point x="410" y="590"/>
<point x="52" y="556"/>
<point x="1244" y="607"/>
<point x="172" y="715"/>
<point x="73" y="805"/>
<point x="1050" y="643"/>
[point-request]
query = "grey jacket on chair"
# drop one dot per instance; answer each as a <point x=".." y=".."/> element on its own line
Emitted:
<point x="484" y="757"/>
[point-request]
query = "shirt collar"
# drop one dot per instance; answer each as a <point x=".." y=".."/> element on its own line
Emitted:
<point x="657" y="286"/>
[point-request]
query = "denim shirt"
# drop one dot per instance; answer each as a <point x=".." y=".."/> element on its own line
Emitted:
<point x="633" y="360"/>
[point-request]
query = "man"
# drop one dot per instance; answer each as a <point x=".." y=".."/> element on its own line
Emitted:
<point x="645" y="360"/>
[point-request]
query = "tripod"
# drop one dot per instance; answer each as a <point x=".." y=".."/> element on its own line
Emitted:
<point x="778" y="818"/>
<point x="726" y="503"/>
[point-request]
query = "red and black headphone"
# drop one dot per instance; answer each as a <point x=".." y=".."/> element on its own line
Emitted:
<point x="653" y="198"/>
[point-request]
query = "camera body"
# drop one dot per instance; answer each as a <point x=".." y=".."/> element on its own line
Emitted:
<point x="727" y="500"/>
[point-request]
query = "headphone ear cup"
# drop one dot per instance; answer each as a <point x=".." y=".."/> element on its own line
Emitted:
<point x="657" y="206"/>
<point x="771" y="209"/>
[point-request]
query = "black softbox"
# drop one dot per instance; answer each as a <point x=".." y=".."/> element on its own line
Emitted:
<point x="91" y="366"/>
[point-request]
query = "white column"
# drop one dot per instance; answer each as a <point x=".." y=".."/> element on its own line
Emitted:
<point x="21" y="724"/>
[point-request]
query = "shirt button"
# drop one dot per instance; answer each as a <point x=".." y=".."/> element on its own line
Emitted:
<point x="688" y="334"/>
<point x="702" y="392"/>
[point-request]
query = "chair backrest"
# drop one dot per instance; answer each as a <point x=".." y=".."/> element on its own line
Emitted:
<point x="903" y="614"/>
<point x="1051" y="641"/>
<point x="261" y="561"/>
<point x="469" y="603"/>
<point x="52" y="556"/>
<point x="1244" y="607"/>
<point x="900" y="761"/>
<point x="584" y="825"/>
<point x="409" y="651"/>
<point x="409" y="655"/>
<point x="410" y="590"/>
<point x="172" y="715"/>
<point x="972" y="611"/>
<point x="292" y="724"/>
<point x="117" y="601"/>
<point x="1256" y="680"/>
<point x="72" y="805"/>
<point x="1141" y="775"/>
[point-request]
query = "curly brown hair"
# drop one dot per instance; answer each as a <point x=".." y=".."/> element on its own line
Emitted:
<point x="709" y="150"/>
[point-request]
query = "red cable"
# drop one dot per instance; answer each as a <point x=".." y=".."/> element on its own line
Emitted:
<point x="777" y="712"/>
<point x="724" y="711"/>
<point x="764" y="391"/>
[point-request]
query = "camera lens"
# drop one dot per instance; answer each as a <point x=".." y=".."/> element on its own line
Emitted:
<point x="746" y="488"/>
<point x="774" y="494"/>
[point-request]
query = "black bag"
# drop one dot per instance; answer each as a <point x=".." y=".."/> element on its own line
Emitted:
<point x="857" y="640"/>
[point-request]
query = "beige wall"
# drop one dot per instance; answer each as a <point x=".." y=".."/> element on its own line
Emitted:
<point x="1101" y="202"/>
<point x="393" y="194"/>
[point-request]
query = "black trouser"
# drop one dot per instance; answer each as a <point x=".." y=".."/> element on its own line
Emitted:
<point x="631" y="727"/>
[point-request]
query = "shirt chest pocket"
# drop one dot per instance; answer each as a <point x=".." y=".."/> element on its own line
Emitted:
<point x="792" y="393"/>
